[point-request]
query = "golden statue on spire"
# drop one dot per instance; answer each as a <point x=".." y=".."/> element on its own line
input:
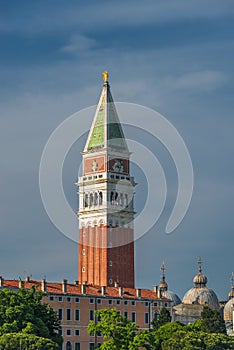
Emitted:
<point x="105" y="76"/>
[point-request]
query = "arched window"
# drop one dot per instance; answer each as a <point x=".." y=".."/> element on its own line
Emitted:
<point x="126" y="200"/>
<point x="95" y="198"/>
<point x="100" y="198"/>
<point x="116" y="198"/>
<point x="86" y="201"/>
<point x="68" y="345"/>
<point x="121" y="201"/>
<point x="112" y="198"/>
<point x="91" y="200"/>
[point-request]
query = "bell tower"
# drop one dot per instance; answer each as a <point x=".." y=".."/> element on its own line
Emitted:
<point x="106" y="213"/>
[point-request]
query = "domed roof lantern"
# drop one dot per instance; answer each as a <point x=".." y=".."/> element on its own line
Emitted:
<point x="163" y="284"/>
<point x="231" y="293"/>
<point x="200" y="280"/>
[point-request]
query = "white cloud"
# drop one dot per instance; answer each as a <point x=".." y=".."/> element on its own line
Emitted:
<point x="79" y="44"/>
<point x="206" y="80"/>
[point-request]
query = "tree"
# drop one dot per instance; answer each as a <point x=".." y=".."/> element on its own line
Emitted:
<point x="163" y="318"/>
<point x="211" y="321"/>
<point x="188" y="340"/>
<point x="16" y="341"/>
<point x="119" y="332"/>
<point x="23" y="311"/>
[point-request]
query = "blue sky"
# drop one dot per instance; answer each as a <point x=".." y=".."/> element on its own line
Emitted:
<point x="175" y="57"/>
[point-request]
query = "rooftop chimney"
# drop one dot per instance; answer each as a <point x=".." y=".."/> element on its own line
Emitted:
<point x="83" y="288"/>
<point x="120" y="291"/>
<point x="138" y="293"/>
<point x="76" y="283"/>
<point x="21" y="284"/>
<point x="159" y="293"/>
<point x="43" y="285"/>
<point x="64" y="286"/>
<point x="116" y="284"/>
<point x="104" y="291"/>
<point x="1" y="281"/>
<point x="156" y="289"/>
<point x="27" y="279"/>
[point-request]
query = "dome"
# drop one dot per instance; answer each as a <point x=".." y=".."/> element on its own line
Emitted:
<point x="231" y="294"/>
<point x="202" y="296"/>
<point x="228" y="310"/>
<point x="172" y="296"/>
<point x="200" y="279"/>
<point x="163" y="285"/>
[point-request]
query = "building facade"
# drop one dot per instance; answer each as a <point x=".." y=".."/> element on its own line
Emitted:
<point x="76" y="305"/>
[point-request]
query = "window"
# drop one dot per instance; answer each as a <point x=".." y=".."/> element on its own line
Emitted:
<point x="68" y="299"/>
<point x="156" y="304"/>
<point x="86" y="201"/>
<point x="91" y="200"/>
<point x="125" y="302"/>
<point x="91" y="346"/>
<point x="68" y="314"/>
<point x="51" y="298"/>
<point x="110" y="281"/>
<point x="112" y="197"/>
<point x="133" y="316"/>
<point x="60" y="332"/>
<point x="126" y="314"/>
<point x="68" y="332"/>
<point x="155" y="315"/>
<point x="77" y="346"/>
<point x="91" y="315"/>
<point x="100" y="198"/>
<point x="77" y="300"/>
<point x="60" y="314"/>
<point x="68" y="345"/>
<point x="60" y="298"/>
<point x="77" y="332"/>
<point x="133" y="303"/>
<point x="99" y="301"/>
<point x="83" y="251"/>
<point x="110" y="301"/>
<point x="146" y="318"/>
<point x="146" y="303"/>
<point x="110" y="263"/>
<point x="83" y="269"/>
<point x="165" y="304"/>
<point x="95" y="197"/>
<point x="91" y="301"/>
<point x="77" y="315"/>
<point x="117" y="302"/>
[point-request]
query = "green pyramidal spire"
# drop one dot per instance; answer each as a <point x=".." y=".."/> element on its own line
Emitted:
<point x="106" y="131"/>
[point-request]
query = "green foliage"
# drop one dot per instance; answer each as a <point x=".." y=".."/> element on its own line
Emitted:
<point x="16" y="341"/>
<point x="197" y="341"/>
<point x="195" y="326"/>
<point x="23" y="311"/>
<point x="211" y="321"/>
<point x="119" y="332"/>
<point x="163" y="318"/>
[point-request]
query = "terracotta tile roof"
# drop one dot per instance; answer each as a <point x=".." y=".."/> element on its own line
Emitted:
<point x="92" y="290"/>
